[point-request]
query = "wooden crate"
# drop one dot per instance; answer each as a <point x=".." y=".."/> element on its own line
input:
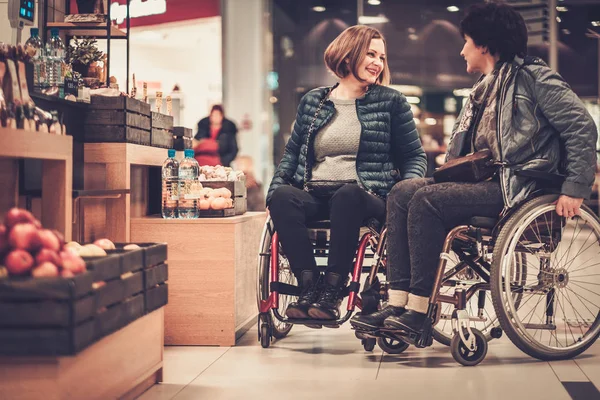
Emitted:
<point x="228" y="212"/>
<point x="239" y="194"/>
<point x="162" y="131"/>
<point x="119" y="315"/>
<point x="182" y="143"/>
<point x="46" y="316"/>
<point x="118" y="290"/>
<point x="180" y="131"/>
<point x="118" y="119"/>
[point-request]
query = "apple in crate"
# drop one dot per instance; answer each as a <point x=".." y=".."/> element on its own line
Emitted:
<point x="16" y="216"/>
<point x="105" y="244"/>
<point x="47" y="255"/>
<point x="18" y="262"/>
<point x="131" y="246"/>
<point x="24" y="236"/>
<point x="45" y="270"/>
<point x="49" y="240"/>
<point x="72" y="262"/>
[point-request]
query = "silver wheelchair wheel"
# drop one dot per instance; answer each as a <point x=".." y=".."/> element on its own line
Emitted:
<point x="485" y="319"/>
<point x="279" y="329"/>
<point x="558" y="315"/>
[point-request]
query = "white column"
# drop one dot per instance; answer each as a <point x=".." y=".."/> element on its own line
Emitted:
<point x="247" y="59"/>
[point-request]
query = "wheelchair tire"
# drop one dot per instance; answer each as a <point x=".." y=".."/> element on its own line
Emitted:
<point x="463" y="355"/>
<point x="392" y="346"/>
<point x="279" y="329"/>
<point x="265" y="336"/>
<point x="522" y="233"/>
<point x="369" y="344"/>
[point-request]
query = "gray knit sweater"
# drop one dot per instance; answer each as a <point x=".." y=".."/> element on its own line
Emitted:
<point x="336" y="145"/>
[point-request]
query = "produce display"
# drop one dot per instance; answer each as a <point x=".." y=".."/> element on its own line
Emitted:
<point x="219" y="173"/>
<point x="26" y="249"/>
<point x="215" y="199"/>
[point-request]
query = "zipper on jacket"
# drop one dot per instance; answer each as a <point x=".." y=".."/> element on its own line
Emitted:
<point x="308" y="166"/>
<point x="356" y="163"/>
<point x="503" y="93"/>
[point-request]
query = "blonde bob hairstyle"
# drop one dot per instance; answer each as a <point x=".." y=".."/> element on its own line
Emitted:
<point x="344" y="55"/>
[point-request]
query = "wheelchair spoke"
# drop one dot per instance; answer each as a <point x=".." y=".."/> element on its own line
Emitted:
<point x="577" y="314"/>
<point x="566" y="323"/>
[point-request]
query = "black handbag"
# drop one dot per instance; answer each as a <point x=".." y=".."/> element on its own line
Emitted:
<point x="322" y="188"/>
<point x="476" y="167"/>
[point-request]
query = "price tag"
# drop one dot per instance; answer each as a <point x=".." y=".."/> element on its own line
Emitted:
<point x="145" y="92"/>
<point x="169" y="105"/>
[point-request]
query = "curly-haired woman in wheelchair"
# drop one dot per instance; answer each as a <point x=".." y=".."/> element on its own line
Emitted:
<point x="339" y="164"/>
<point x="530" y="120"/>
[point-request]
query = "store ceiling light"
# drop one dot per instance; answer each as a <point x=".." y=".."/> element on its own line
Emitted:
<point x="430" y="121"/>
<point x="595" y="23"/>
<point x="413" y="99"/>
<point x="366" y="20"/>
<point x="319" y="9"/>
<point x="562" y="9"/>
<point x="566" y="32"/>
<point x="453" y="9"/>
<point x="374" y="2"/>
<point x="558" y="19"/>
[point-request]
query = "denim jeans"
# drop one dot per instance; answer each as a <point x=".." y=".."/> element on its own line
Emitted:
<point x="291" y="208"/>
<point x="420" y="213"/>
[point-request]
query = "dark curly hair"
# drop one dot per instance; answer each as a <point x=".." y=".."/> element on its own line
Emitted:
<point x="498" y="27"/>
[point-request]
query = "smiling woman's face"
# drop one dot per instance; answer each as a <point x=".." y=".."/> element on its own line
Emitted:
<point x="473" y="55"/>
<point x="372" y="65"/>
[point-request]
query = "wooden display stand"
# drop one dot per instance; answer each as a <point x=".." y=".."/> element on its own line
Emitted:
<point x="116" y="166"/>
<point x="122" y="365"/>
<point x="212" y="275"/>
<point x="57" y="176"/>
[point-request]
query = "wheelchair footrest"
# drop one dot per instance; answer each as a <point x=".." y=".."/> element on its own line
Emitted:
<point x="547" y="327"/>
<point x="309" y="321"/>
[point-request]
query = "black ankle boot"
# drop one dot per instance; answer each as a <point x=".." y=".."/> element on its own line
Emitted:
<point x="410" y="321"/>
<point x="328" y="304"/>
<point x="374" y="321"/>
<point x="309" y="283"/>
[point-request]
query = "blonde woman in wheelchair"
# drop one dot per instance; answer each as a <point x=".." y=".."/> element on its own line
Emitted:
<point x="532" y="123"/>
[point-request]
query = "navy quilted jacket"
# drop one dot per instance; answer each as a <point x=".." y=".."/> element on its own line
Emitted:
<point x="389" y="149"/>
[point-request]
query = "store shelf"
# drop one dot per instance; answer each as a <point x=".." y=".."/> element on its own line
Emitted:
<point x="88" y="29"/>
<point x="125" y="153"/>
<point x="157" y="220"/>
<point x="18" y="143"/>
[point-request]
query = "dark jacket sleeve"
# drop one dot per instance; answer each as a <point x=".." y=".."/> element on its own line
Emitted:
<point x="289" y="162"/>
<point x="203" y="129"/>
<point x="408" y="153"/>
<point x="232" y="147"/>
<point x="567" y="114"/>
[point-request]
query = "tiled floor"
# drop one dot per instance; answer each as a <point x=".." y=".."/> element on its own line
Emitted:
<point x="331" y="364"/>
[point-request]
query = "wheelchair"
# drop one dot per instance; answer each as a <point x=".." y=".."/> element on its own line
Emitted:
<point x="539" y="271"/>
<point x="277" y="286"/>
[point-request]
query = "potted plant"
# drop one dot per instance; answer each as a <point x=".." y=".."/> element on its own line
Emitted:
<point x="83" y="54"/>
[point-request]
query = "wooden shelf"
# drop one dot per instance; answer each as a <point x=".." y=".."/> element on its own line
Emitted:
<point x="88" y="29"/>
<point x="124" y="153"/>
<point x="18" y="143"/>
<point x="57" y="173"/>
<point x="159" y="220"/>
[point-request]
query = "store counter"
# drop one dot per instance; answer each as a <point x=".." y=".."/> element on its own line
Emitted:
<point x="212" y="275"/>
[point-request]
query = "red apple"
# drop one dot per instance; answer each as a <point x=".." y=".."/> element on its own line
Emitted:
<point x="105" y="244"/>
<point x="65" y="273"/>
<point x="48" y="240"/>
<point x="60" y="237"/>
<point x="44" y="270"/>
<point x="24" y="236"/>
<point x="72" y="262"/>
<point x="16" y="216"/>
<point x="18" y="262"/>
<point x="45" y="255"/>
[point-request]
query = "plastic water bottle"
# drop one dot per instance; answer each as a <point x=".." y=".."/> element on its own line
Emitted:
<point x="55" y="52"/>
<point x="170" y="186"/>
<point x="35" y="48"/>
<point x="189" y="186"/>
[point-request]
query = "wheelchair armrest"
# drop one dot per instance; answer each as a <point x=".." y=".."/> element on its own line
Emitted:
<point x="554" y="179"/>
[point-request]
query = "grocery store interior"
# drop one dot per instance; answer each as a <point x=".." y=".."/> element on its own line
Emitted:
<point x="136" y="249"/>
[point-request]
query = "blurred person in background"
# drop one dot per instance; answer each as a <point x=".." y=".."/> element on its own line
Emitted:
<point x="256" y="197"/>
<point x="216" y="143"/>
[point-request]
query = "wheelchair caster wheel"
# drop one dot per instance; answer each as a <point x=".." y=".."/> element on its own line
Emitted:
<point x="265" y="336"/>
<point x="466" y="356"/>
<point x="392" y="346"/>
<point x="369" y="344"/>
<point x="496" y="332"/>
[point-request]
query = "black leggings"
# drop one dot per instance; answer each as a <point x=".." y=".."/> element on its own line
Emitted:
<point x="291" y="208"/>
